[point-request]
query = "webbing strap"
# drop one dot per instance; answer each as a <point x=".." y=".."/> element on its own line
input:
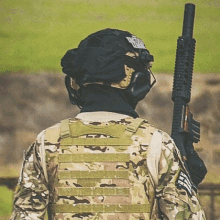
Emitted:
<point x="80" y="158"/>
<point x="89" y="182"/>
<point x="123" y="141"/>
<point x="93" y="191"/>
<point x="134" y="125"/>
<point x="64" y="128"/>
<point x="67" y="174"/>
<point x="100" y="208"/>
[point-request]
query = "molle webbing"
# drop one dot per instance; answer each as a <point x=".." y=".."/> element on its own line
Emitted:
<point x="116" y="135"/>
<point x="81" y="158"/>
<point x="99" y="174"/>
<point x="124" y="141"/>
<point x="101" y="208"/>
<point x="93" y="191"/>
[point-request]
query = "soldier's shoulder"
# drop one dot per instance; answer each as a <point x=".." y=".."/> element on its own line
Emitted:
<point x="167" y="144"/>
<point x="52" y="133"/>
<point x="146" y="125"/>
<point x="169" y="148"/>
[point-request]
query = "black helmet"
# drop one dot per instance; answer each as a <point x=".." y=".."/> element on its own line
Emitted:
<point x="109" y="57"/>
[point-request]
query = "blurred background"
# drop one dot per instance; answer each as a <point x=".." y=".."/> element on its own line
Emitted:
<point x="36" y="34"/>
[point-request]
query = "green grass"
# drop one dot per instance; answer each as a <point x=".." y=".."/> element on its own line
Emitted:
<point x="36" y="34"/>
<point x="5" y="201"/>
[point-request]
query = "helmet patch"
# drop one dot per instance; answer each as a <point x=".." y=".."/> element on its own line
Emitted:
<point x="136" y="42"/>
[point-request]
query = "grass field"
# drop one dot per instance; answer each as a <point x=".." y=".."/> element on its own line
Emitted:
<point x="36" y="34"/>
<point x="5" y="201"/>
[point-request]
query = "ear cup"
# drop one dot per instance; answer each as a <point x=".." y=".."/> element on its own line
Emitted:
<point x="74" y="95"/>
<point x="139" y="86"/>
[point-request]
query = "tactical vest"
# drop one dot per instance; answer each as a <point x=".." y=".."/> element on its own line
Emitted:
<point x="101" y="171"/>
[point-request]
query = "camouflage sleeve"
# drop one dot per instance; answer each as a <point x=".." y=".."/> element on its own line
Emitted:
<point x="31" y="195"/>
<point x="177" y="198"/>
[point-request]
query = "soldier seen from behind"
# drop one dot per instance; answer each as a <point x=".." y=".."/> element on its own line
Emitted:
<point x="106" y="163"/>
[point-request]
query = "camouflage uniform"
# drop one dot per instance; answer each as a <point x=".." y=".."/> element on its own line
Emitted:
<point x="154" y="167"/>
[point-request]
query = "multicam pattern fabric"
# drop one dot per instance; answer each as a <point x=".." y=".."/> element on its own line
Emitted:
<point x="31" y="195"/>
<point x="154" y="181"/>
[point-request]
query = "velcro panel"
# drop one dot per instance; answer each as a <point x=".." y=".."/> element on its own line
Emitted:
<point x="93" y="191"/>
<point x="67" y="174"/>
<point x="81" y="158"/>
<point x="101" y="208"/>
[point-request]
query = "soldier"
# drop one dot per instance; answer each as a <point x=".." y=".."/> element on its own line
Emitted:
<point x="107" y="163"/>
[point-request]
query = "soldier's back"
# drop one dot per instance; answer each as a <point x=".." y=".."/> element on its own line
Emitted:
<point x="98" y="170"/>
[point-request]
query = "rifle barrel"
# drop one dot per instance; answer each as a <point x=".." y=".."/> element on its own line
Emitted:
<point x="188" y="22"/>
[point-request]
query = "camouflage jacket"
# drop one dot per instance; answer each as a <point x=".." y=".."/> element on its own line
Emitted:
<point x="168" y="187"/>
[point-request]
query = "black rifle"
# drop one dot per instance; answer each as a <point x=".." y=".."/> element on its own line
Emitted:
<point x="185" y="130"/>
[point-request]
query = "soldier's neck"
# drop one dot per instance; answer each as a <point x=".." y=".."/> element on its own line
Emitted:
<point x="108" y="101"/>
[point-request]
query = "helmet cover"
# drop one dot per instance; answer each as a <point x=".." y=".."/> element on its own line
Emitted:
<point x="101" y="57"/>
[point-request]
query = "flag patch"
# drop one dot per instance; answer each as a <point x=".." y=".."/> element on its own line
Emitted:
<point x="183" y="182"/>
<point x="136" y="42"/>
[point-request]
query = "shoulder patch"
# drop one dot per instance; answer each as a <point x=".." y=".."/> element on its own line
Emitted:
<point x="136" y="42"/>
<point x="183" y="182"/>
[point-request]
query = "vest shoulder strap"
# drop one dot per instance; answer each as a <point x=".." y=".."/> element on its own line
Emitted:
<point x="134" y="125"/>
<point x="53" y="134"/>
<point x="74" y="130"/>
<point x="65" y="128"/>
